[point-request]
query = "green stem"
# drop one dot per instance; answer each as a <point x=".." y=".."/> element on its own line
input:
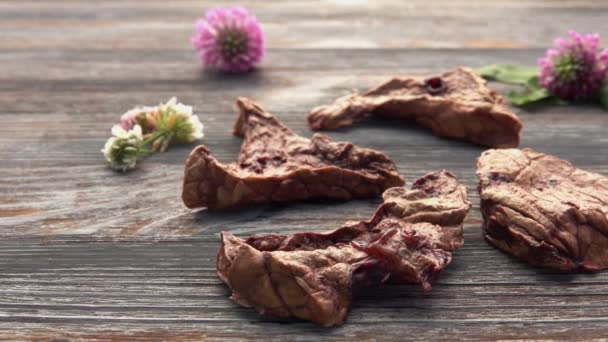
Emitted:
<point x="143" y="152"/>
<point x="153" y="137"/>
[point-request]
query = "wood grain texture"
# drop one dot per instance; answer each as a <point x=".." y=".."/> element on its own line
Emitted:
<point x="87" y="254"/>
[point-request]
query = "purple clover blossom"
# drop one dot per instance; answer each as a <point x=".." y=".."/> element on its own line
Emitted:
<point x="574" y="69"/>
<point x="138" y="116"/>
<point x="229" y="39"/>
<point x="129" y="119"/>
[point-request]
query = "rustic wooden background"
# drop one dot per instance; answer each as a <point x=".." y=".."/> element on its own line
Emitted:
<point x="88" y="254"/>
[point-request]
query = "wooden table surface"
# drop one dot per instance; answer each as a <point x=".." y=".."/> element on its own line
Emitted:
<point x="89" y="254"/>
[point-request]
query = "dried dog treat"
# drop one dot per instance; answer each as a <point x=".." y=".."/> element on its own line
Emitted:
<point x="544" y="210"/>
<point x="313" y="276"/>
<point x="277" y="165"/>
<point x="456" y="104"/>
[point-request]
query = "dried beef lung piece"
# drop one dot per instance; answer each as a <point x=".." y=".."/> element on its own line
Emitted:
<point x="312" y="276"/>
<point x="544" y="210"/>
<point x="277" y="165"/>
<point x="456" y="104"/>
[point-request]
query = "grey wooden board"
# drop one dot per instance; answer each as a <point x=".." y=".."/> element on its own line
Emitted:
<point x="88" y="254"/>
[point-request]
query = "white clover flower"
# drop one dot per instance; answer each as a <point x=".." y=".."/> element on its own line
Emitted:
<point x="197" y="128"/>
<point x="122" y="149"/>
<point x="179" y="120"/>
<point x="177" y="107"/>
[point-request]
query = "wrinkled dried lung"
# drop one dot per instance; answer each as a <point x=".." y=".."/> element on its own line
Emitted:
<point x="277" y="165"/>
<point x="544" y="210"/>
<point x="456" y="104"/>
<point x="312" y="276"/>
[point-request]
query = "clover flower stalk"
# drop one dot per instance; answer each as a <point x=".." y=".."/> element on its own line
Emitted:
<point x="163" y="125"/>
<point x="575" y="68"/>
<point x="229" y="39"/>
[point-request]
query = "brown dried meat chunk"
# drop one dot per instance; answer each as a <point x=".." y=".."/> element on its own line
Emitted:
<point x="312" y="276"/>
<point x="544" y="210"/>
<point x="277" y="165"/>
<point x="456" y="104"/>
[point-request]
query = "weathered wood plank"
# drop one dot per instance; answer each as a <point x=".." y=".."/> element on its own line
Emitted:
<point x="101" y="202"/>
<point x="118" y="25"/>
<point x="94" y="203"/>
<point x="215" y="331"/>
<point x="170" y="283"/>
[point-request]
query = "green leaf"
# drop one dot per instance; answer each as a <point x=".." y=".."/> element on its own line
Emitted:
<point x="604" y="95"/>
<point x="507" y="73"/>
<point x="532" y="93"/>
<point x="527" y="97"/>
